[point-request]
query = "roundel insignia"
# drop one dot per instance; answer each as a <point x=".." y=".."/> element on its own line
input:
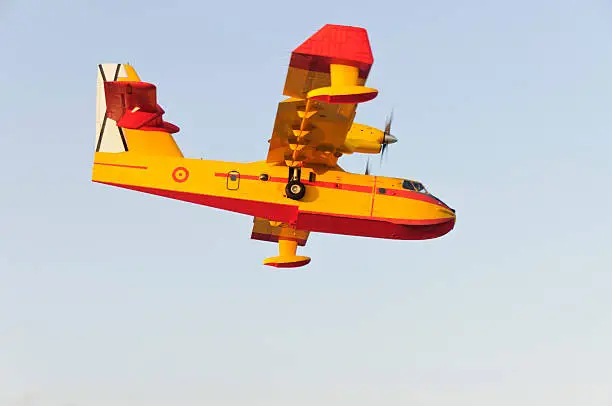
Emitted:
<point x="180" y="174"/>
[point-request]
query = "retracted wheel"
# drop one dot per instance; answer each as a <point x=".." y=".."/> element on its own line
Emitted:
<point x="295" y="190"/>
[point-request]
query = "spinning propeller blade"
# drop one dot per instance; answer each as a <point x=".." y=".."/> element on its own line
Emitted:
<point x="387" y="138"/>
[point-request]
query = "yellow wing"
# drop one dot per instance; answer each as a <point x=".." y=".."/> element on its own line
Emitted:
<point x="325" y="82"/>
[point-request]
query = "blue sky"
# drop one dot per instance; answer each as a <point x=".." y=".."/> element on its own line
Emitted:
<point x="112" y="297"/>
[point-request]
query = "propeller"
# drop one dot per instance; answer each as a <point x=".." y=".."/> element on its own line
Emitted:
<point x="387" y="137"/>
<point x="386" y="141"/>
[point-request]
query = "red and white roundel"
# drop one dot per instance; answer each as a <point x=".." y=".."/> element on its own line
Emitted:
<point x="180" y="174"/>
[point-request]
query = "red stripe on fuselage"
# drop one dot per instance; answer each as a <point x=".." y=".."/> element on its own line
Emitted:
<point x="329" y="185"/>
<point x="122" y="166"/>
<point x="272" y="211"/>
<point x="408" y="194"/>
<point x="403" y="193"/>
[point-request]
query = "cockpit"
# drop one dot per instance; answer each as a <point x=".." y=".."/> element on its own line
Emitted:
<point x="414" y="186"/>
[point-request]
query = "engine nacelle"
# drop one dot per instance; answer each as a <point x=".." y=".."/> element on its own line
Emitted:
<point x="363" y="139"/>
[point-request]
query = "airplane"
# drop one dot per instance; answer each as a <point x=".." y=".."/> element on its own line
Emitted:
<point x="299" y="188"/>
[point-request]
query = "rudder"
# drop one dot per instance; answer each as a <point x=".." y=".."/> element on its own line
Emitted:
<point x="109" y="137"/>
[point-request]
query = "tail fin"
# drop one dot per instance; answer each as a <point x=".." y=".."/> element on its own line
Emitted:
<point x="128" y="118"/>
<point x="109" y="137"/>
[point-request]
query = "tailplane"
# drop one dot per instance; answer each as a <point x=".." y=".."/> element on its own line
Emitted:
<point x="128" y="118"/>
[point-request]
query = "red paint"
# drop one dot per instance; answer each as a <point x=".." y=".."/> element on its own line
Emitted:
<point x="373" y="195"/>
<point x="122" y="166"/>
<point x="403" y="193"/>
<point x="345" y="98"/>
<point x="340" y="186"/>
<point x="321" y="64"/>
<point x="329" y="185"/>
<point x="295" y="264"/>
<point x="317" y="222"/>
<point x="242" y="177"/>
<point x="176" y="174"/>
<point x="409" y="194"/>
<point x="338" y="44"/>
<point x="122" y="98"/>
<point x="377" y="228"/>
<point x="272" y="211"/>
<point x="398" y="221"/>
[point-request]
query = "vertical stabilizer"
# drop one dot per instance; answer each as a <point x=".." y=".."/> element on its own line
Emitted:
<point x="128" y="118"/>
<point x="109" y="137"/>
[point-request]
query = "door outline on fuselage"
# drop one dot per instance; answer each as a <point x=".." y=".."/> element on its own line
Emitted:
<point x="233" y="180"/>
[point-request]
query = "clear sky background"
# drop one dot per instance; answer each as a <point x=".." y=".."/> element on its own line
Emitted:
<point x="502" y="110"/>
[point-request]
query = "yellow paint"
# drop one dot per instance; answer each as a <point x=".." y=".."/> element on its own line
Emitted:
<point x="151" y="143"/>
<point x="308" y="134"/>
<point x="324" y="128"/>
<point x="363" y="139"/>
<point x="287" y="255"/>
<point x="343" y="75"/>
<point x="341" y="91"/>
<point x="323" y="200"/>
<point x="132" y="76"/>
<point x="278" y="230"/>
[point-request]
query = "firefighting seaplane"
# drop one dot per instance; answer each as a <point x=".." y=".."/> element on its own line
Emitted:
<point x="299" y="188"/>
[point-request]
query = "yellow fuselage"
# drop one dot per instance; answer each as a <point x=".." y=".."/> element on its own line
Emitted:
<point x="335" y="201"/>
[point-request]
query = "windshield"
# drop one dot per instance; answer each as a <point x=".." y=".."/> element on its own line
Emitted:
<point x="414" y="186"/>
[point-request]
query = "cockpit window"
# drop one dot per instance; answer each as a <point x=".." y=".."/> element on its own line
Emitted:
<point x="414" y="186"/>
<point x="419" y="187"/>
<point x="407" y="185"/>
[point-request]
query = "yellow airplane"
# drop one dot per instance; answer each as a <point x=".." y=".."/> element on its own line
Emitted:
<point x="299" y="188"/>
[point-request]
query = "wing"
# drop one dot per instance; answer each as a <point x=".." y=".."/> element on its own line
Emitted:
<point x="264" y="230"/>
<point x="325" y="82"/>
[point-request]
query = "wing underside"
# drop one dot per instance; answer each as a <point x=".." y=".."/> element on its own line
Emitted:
<point x="325" y="82"/>
<point x="265" y="230"/>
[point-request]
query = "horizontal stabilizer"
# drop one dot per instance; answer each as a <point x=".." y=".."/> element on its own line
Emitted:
<point x="134" y="105"/>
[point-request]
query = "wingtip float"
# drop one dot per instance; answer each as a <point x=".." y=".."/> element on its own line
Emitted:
<point x="299" y="188"/>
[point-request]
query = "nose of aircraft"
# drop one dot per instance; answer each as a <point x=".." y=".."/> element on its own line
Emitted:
<point x="389" y="139"/>
<point x="447" y="212"/>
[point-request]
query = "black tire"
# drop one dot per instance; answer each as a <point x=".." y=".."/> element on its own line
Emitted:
<point x="295" y="190"/>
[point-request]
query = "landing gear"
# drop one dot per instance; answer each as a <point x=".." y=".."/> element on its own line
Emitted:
<point x="295" y="189"/>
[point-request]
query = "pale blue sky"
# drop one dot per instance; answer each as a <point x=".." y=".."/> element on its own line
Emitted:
<point x="113" y="297"/>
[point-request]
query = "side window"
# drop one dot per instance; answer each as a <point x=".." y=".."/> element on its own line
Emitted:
<point x="233" y="180"/>
<point x="408" y="185"/>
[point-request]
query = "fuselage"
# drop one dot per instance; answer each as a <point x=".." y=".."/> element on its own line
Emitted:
<point x="336" y="201"/>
